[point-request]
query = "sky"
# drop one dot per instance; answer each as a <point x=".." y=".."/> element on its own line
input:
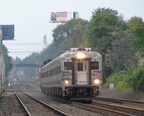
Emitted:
<point x="32" y="19"/>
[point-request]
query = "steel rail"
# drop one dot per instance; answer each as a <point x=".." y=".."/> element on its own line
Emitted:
<point x="26" y="110"/>
<point x="100" y="110"/>
<point x="131" y="110"/>
<point x="118" y="100"/>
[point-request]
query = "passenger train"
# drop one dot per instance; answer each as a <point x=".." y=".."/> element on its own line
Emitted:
<point x="2" y="74"/>
<point x="74" y="75"/>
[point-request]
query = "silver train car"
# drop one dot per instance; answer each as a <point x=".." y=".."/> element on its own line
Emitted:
<point x="74" y="75"/>
<point x="2" y="74"/>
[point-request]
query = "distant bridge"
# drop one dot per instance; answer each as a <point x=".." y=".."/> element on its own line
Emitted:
<point x="26" y="64"/>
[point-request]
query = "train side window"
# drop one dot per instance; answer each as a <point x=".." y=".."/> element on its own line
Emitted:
<point x="43" y="74"/>
<point x="67" y="65"/>
<point x="59" y="69"/>
<point x="50" y="72"/>
<point x="53" y="70"/>
<point x="56" y="71"/>
<point x="47" y="74"/>
<point x="94" y="65"/>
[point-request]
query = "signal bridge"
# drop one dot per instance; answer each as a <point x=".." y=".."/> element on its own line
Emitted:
<point x="26" y="64"/>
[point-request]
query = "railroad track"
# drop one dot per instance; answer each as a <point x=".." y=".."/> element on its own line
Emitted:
<point x="24" y="86"/>
<point x="125" y="109"/>
<point x="100" y="110"/>
<point x="119" y="100"/>
<point x="34" y="106"/>
<point x="110" y="109"/>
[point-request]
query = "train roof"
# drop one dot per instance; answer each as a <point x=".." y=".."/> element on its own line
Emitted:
<point x="71" y="53"/>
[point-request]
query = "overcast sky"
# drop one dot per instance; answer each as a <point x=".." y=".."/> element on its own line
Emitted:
<point x="31" y="19"/>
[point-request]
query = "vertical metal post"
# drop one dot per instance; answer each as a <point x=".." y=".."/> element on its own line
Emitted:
<point x="90" y="71"/>
<point x="73" y="72"/>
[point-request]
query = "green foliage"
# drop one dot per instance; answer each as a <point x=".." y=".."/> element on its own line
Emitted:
<point x="107" y="35"/>
<point x="136" y="78"/>
<point x="134" y="22"/>
<point x="139" y="42"/>
<point x="71" y="28"/>
<point x="103" y="22"/>
<point x="121" y="52"/>
<point x="119" y="81"/>
<point x="65" y="36"/>
<point x="133" y="79"/>
<point x="7" y="60"/>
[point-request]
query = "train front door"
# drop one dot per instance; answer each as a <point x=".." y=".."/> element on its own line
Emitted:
<point x="81" y="72"/>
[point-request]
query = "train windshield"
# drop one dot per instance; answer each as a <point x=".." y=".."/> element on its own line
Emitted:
<point x="67" y="65"/>
<point x="94" y="65"/>
<point x="81" y="66"/>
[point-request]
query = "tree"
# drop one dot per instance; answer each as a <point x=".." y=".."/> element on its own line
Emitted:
<point x="139" y="42"/>
<point x="65" y="36"/>
<point x="77" y="35"/>
<point x="65" y="31"/>
<point x="104" y="23"/>
<point x="17" y="59"/>
<point x="134" y="22"/>
<point x="7" y="59"/>
<point x="136" y="77"/>
<point x="122" y="51"/>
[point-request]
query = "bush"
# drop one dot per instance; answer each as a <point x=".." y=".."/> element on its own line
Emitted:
<point x="118" y="79"/>
<point x="136" y="80"/>
<point x="133" y="79"/>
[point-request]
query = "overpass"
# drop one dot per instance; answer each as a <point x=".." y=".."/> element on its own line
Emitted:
<point x="26" y="64"/>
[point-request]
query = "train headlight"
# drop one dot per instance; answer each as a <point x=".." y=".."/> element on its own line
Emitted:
<point x="97" y="81"/>
<point x="66" y="82"/>
<point x="80" y="55"/>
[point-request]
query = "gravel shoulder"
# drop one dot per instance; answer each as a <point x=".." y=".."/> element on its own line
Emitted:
<point x="130" y="95"/>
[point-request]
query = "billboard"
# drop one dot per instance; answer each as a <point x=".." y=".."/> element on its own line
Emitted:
<point x="63" y="17"/>
<point x="6" y="32"/>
